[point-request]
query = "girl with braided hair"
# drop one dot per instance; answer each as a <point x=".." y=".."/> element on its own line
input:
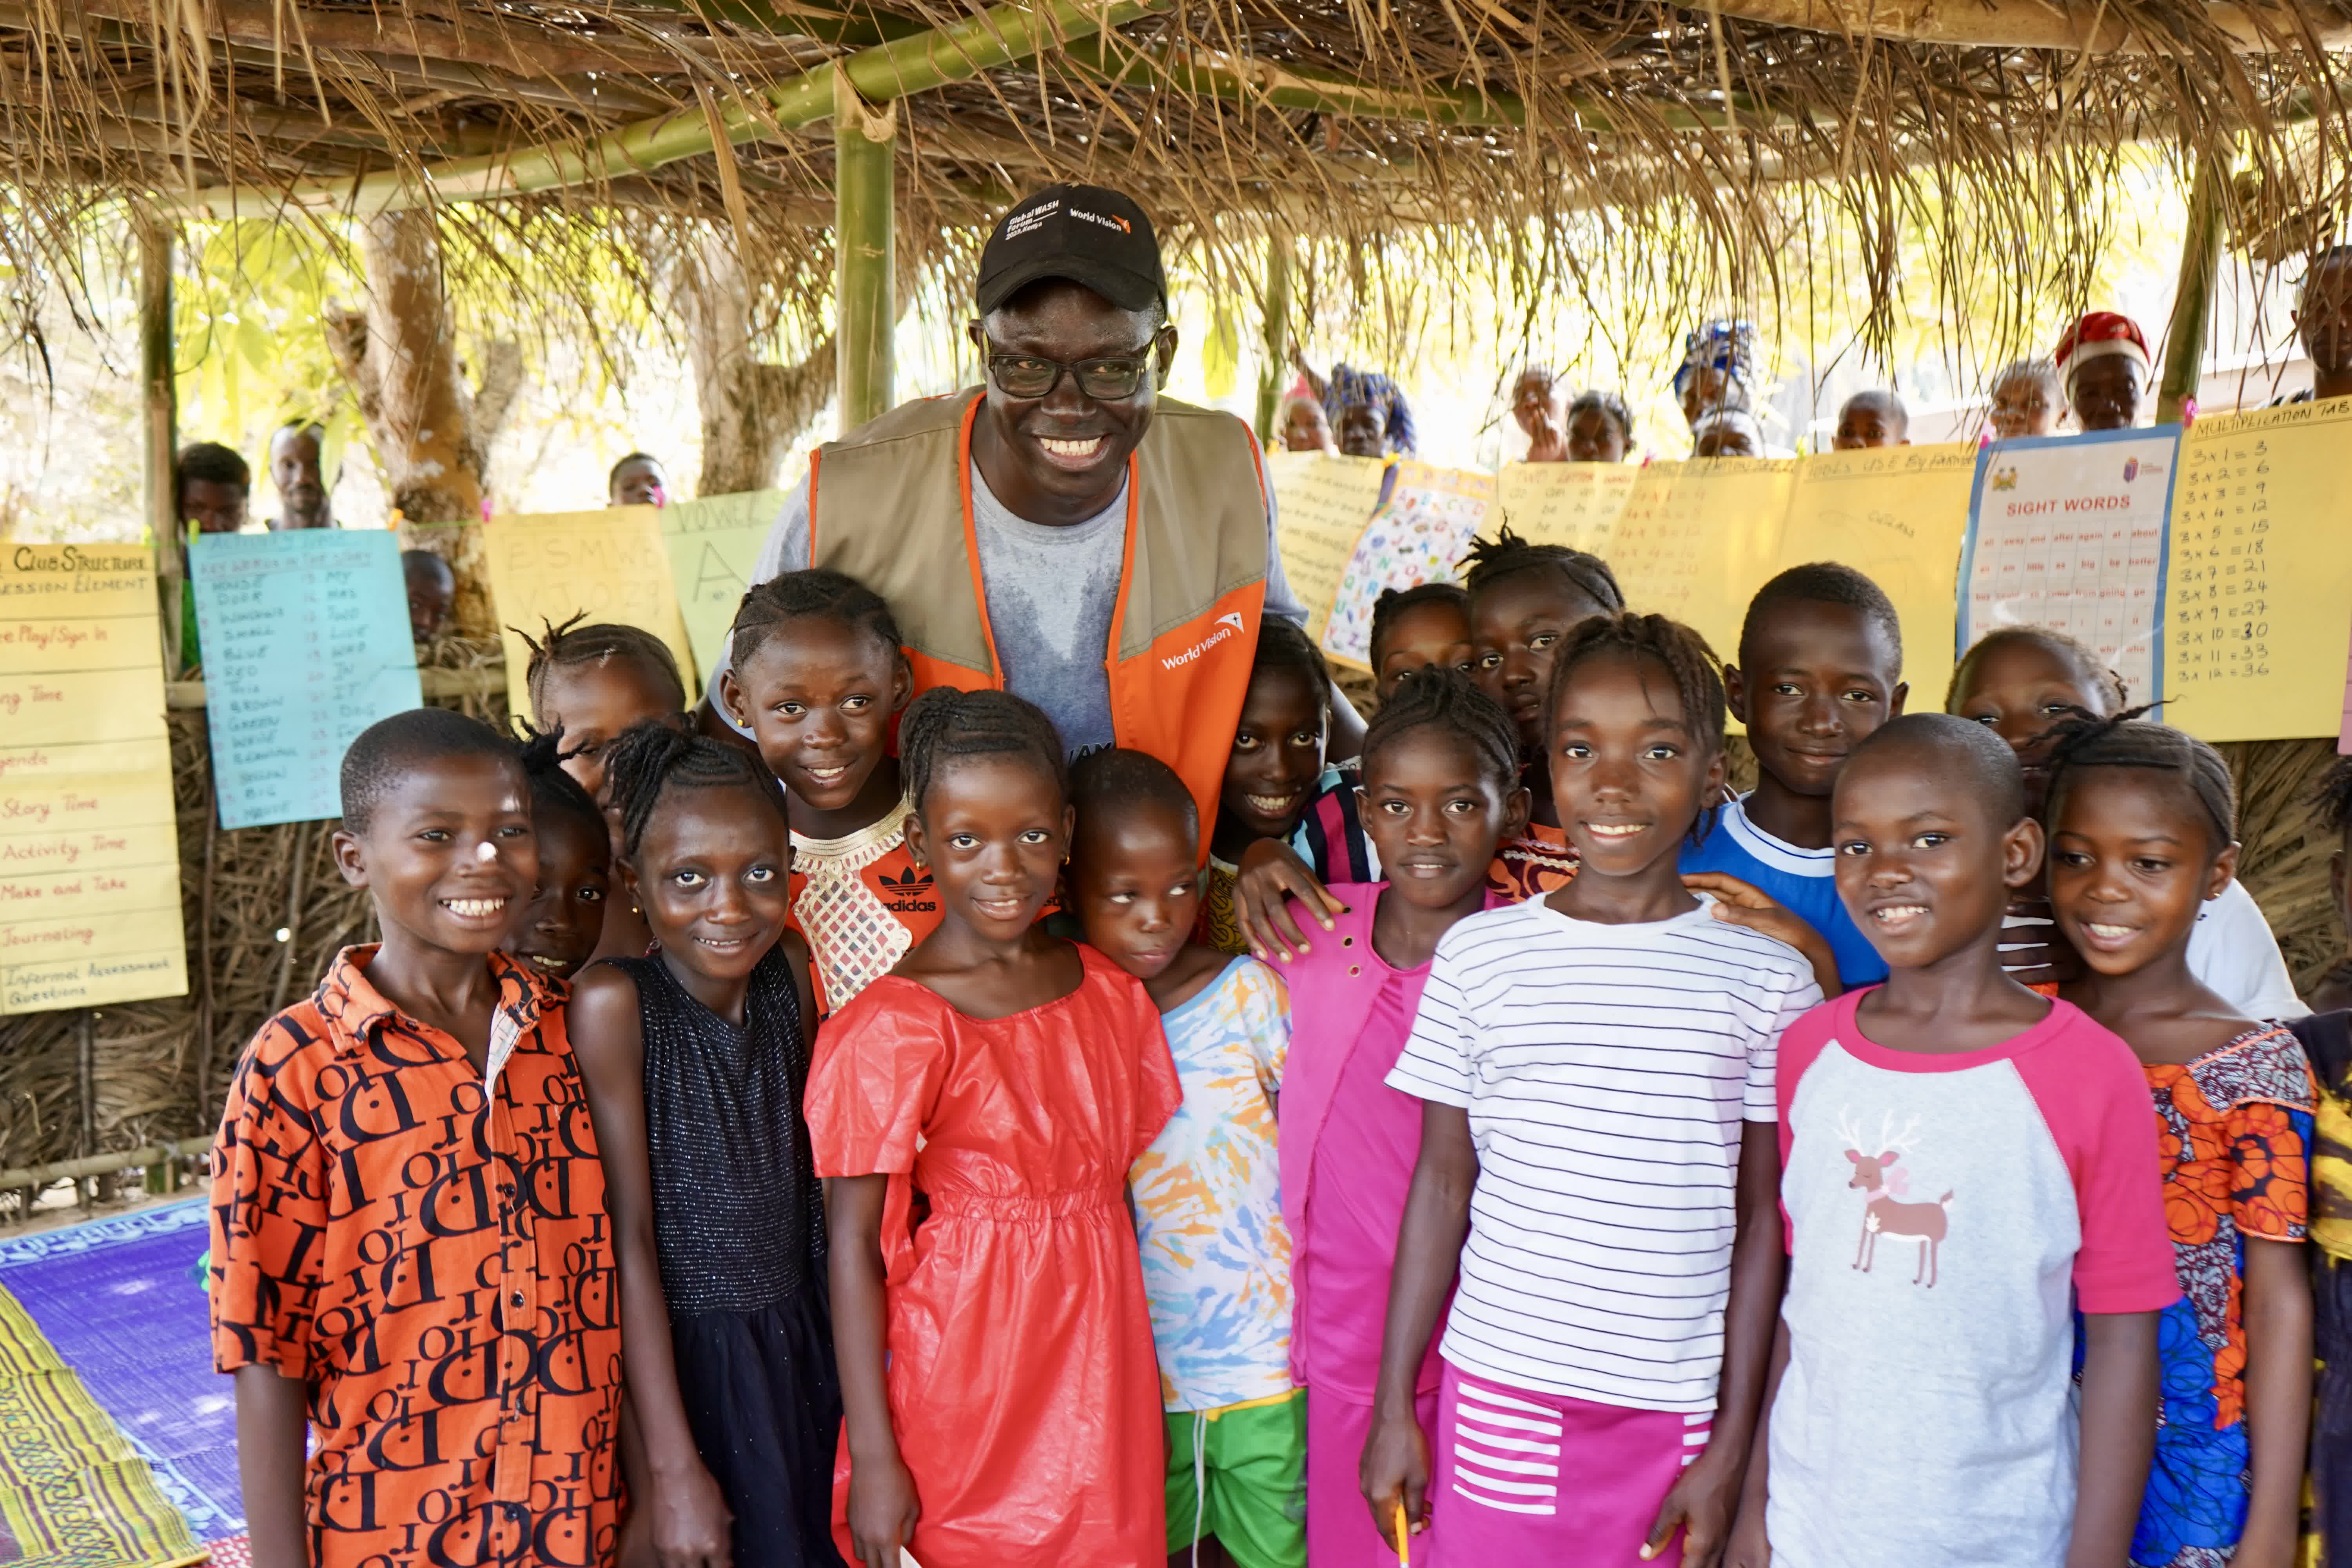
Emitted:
<point x="1595" y="1068"/>
<point x="816" y="675"/>
<point x="1441" y="790"/>
<point x="2143" y="835"/>
<point x="695" y="1058"/>
<point x="976" y="1111"/>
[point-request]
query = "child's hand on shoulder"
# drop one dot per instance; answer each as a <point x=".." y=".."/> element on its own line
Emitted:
<point x="1743" y="904"/>
<point x="1268" y="872"/>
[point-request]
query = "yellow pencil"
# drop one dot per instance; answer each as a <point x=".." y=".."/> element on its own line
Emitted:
<point x="1405" y="1558"/>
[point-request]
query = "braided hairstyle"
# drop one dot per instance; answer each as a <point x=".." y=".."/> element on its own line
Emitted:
<point x="554" y="791"/>
<point x="1489" y="560"/>
<point x="2087" y="663"/>
<point x="945" y="725"/>
<point x="1282" y="645"/>
<point x="771" y="605"/>
<point x="1116" y="778"/>
<point x="1395" y="601"/>
<point x="1450" y="700"/>
<point x="2128" y="739"/>
<point x="650" y="760"/>
<point x="1698" y="673"/>
<point x="573" y="645"/>
<point x="1609" y="404"/>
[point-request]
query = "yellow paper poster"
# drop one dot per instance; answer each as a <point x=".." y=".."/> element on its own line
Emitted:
<point x="1574" y="504"/>
<point x="2259" y="574"/>
<point x="1418" y="535"/>
<point x="1895" y="514"/>
<point x="90" y="852"/>
<point x="1322" y="503"/>
<point x="609" y="565"/>
<point x="713" y="545"/>
<point x="1696" y="539"/>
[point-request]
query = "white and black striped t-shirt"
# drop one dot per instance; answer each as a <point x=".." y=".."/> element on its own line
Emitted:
<point x="1607" y="1070"/>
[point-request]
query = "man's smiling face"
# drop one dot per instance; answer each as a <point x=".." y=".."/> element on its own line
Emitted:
<point x="1066" y="449"/>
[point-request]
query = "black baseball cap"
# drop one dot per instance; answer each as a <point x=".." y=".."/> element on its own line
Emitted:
<point x="1085" y="234"/>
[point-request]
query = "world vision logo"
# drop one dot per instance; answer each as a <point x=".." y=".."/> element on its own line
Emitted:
<point x="1229" y="624"/>
<point x="1106" y="220"/>
<point x="909" y="894"/>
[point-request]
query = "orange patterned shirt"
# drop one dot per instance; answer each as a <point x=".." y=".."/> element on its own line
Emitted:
<point x="433" y="1258"/>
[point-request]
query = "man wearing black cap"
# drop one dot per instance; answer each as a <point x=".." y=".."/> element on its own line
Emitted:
<point x="1061" y="531"/>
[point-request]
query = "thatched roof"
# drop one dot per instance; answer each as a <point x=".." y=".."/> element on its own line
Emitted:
<point x="1567" y="132"/>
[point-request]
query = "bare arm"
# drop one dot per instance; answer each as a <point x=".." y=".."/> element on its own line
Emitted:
<point x="1750" y="1546"/>
<point x="690" y="1519"/>
<point x="1429" y="1253"/>
<point x="882" y="1507"/>
<point x="273" y="1430"/>
<point x="1347" y="739"/>
<point x="2278" y="1398"/>
<point x="1705" y="1499"/>
<point x="2118" y="1435"/>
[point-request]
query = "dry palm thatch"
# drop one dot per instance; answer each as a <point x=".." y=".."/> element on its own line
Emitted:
<point x="1574" y="138"/>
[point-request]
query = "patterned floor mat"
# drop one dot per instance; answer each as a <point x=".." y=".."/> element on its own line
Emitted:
<point x="118" y="1302"/>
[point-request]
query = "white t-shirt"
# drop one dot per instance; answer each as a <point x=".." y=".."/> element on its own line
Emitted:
<point x="1608" y="1071"/>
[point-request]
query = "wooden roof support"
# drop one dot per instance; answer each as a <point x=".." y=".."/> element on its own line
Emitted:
<point x="1003" y="33"/>
<point x="864" y="319"/>
<point x="2071" y="25"/>
<point x="539" y="54"/>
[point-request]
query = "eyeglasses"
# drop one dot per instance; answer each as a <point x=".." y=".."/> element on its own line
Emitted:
<point x="1109" y="380"/>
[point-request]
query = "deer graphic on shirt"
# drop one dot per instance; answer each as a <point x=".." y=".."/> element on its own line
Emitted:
<point x="1884" y="1184"/>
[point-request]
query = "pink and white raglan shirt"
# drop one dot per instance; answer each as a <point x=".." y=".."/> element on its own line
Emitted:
<point x="1946" y="1213"/>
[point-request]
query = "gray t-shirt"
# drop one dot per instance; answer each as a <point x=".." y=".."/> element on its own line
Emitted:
<point x="1052" y="591"/>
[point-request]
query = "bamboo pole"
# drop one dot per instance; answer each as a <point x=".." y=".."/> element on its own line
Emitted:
<point x="1274" y="349"/>
<point x="159" y="431"/>
<point x="2192" y="299"/>
<point x="914" y="64"/>
<point x="865" y="154"/>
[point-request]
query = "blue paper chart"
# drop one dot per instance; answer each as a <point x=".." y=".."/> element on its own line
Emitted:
<point x="305" y="642"/>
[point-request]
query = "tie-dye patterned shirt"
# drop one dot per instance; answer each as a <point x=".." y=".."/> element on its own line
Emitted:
<point x="1207" y="1201"/>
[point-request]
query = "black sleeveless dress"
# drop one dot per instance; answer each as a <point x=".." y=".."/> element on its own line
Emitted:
<point x="739" y="1226"/>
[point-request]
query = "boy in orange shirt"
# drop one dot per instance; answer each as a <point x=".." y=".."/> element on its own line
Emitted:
<point x="411" y="1261"/>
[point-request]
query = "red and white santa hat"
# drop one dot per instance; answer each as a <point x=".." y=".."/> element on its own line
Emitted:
<point x="2099" y="334"/>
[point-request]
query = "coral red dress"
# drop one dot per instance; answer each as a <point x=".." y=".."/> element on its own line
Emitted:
<point x="1023" y="1384"/>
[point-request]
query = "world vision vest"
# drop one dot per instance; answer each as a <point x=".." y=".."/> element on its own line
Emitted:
<point x="890" y="505"/>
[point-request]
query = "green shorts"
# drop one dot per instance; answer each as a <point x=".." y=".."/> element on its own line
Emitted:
<point x="1239" y="1473"/>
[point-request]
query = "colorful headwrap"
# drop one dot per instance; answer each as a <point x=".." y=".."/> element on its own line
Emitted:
<point x="1726" y="346"/>
<point x="2097" y="336"/>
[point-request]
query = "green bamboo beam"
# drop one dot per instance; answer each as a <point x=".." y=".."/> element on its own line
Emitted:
<point x="914" y="64"/>
<point x="866" y="145"/>
<point x="1274" y="350"/>
<point x="158" y="424"/>
<point x="1242" y="80"/>
<point x="2192" y="298"/>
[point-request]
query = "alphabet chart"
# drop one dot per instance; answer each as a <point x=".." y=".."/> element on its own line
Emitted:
<point x="90" y="844"/>
<point x="714" y="545"/>
<point x="1418" y="535"/>
<point x="1322" y="502"/>
<point x="609" y="565"/>
<point x="2260" y="575"/>
<point x="305" y="639"/>
<point x="2068" y="532"/>
<point x="1575" y="504"/>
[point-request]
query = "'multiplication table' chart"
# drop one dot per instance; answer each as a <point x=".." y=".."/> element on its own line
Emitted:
<point x="2069" y="532"/>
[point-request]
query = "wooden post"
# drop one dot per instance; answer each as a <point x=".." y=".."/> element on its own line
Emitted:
<point x="1273" y="361"/>
<point x="159" y="430"/>
<point x="2192" y="299"/>
<point x="864" y="151"/>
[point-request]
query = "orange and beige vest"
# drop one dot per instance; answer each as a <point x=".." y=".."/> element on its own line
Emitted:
<point x="890" y="505"/>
